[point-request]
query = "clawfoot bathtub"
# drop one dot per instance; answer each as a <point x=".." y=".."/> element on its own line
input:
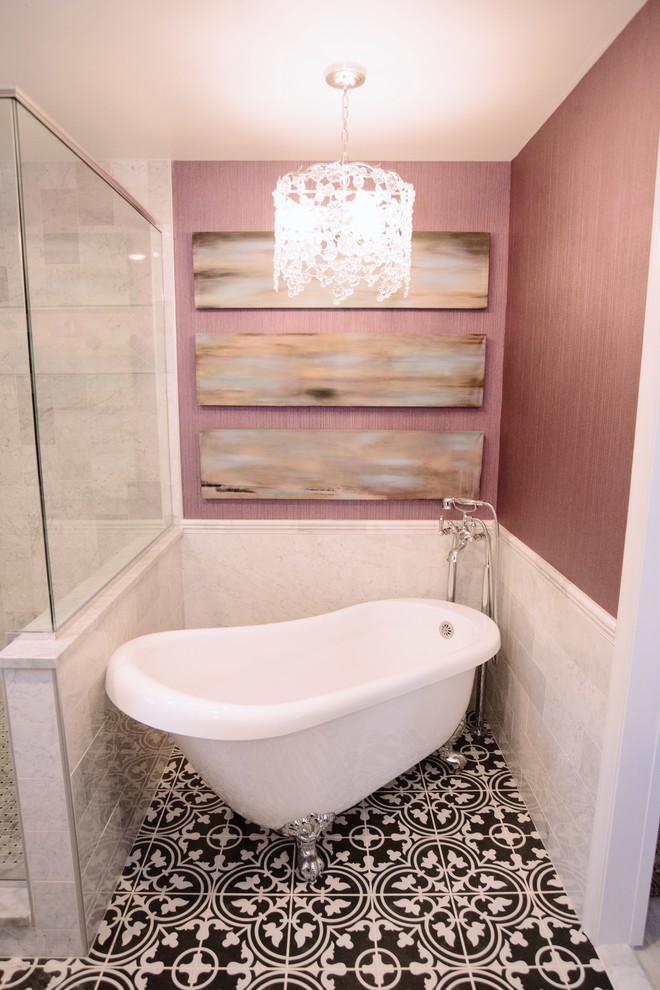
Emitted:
<point x="293" y="722"/>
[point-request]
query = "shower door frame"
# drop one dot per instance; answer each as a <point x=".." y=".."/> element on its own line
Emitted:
<point x="15" y="93"/>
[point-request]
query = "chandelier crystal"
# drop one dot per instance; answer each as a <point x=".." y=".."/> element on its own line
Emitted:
<point x="344" y="222"/>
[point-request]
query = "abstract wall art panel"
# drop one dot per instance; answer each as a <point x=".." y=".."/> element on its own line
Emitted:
<point x="339" y="369"/>
<point x="339" y="464"/>
<point x="235" y="271"/>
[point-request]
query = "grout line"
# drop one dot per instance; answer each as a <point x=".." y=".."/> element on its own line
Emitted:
<point x="363" y="899"/>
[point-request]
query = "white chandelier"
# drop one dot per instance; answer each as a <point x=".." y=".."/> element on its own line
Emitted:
<point x="343" y="222"/>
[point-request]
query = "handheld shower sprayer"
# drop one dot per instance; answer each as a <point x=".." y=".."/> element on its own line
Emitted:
<point x="467" y="505"/>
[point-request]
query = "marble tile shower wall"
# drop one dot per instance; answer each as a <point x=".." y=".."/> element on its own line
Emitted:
<point x="547" y="698"/>
<point x="93" y="332"/>
<point x="23" y="588"/>
<point x="84" y="773"/>
<point x="240" y="572"/>
<point x="149" y="181"/>
<point x="95" y="343"/>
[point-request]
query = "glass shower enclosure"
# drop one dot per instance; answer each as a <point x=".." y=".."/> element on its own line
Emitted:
<point x="84" y="463"/>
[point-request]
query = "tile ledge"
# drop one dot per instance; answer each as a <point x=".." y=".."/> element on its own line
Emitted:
<point x="47" y="651"/>
<point x="14" y="904"/>
<point x="430" y="526"/>
<point x="597" y="615"/>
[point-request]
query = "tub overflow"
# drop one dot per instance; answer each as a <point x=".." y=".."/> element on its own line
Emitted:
<point x="446" y="630"/>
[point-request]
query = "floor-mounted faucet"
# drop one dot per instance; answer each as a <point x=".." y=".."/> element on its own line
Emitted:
<point x="468" y="529"/>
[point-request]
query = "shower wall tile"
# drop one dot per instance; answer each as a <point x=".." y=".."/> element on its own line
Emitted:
<point x="95" y="341"/>
<point x="61" y="249"/>
<point x="82" y="790"/>
<point x="54" y="904"/>
<point x="10" y="256"/>
<point x="100" y="877"/>
<point x="67" y="392"/>
<point x="50" y="855"/>
<point x="111" y="390"/>
<point x="22" y="564"/>
<point x="102" y="248"/>
<point x="96" y="355"/>
<point x="95" y="199"/>
<point x="248" y="572"/>
<point x="582" y="697"/>
<point x="35" y="749"/>
<point x="42" y="176"/>
<point x="99" y="271"/>
<point x="31" y="696"/>
<point x="547" y="698"/>
<point x="59" y="211"/>
<point x="20" y="592"/>
<point x="112" y="758"/>
<point x="149" y="181"/>
<point x="530" y="678"/>
<point x="41" y="770"/>
<point x="13" y="356"/>
<point x="44" y="805"/>
<point x="26" y="411"/>
<point x="76" y="286"/>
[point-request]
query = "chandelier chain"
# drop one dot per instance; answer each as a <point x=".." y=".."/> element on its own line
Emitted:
<point x="344" y="126"/>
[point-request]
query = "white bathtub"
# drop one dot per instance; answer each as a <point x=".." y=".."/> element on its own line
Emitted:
<point x="307" y="716"/>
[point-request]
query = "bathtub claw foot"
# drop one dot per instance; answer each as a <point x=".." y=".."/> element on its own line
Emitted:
<point x="455" y="761"/>
<point x="306" y="831"/>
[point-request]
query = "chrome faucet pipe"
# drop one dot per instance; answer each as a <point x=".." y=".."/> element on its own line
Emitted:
<point x="469" y="529"/>
<point x="488" y="602"/>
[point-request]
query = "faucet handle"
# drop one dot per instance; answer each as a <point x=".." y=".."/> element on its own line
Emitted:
<point x="446" y="526"/>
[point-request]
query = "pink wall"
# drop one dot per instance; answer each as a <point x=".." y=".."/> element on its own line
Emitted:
<point x="238" y="196"/>
<point x="581" y="201"/>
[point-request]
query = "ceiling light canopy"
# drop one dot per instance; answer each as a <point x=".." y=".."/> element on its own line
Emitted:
<point x="343" y="223"/>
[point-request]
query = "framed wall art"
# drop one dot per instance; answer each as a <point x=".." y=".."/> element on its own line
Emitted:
<point x="339" y="369"/>
<point x="234" y="270"/>
<point x="339" y="464"/>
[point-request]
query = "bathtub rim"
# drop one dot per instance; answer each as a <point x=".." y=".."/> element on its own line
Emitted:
<point x="153" y="703"/>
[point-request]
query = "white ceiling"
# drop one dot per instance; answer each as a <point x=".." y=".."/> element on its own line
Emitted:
<point x="244" y="79"/>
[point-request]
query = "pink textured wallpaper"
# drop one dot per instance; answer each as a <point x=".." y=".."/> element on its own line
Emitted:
<point x="235" y="196"/>
<point x="581" y="202"/>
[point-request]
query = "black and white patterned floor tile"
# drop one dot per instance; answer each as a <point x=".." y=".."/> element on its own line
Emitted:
<point x="436" y="882"/>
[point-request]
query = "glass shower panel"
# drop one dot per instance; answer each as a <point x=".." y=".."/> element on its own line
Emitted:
<point x="23" y="575"/>
<point x="95" y="314"/>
